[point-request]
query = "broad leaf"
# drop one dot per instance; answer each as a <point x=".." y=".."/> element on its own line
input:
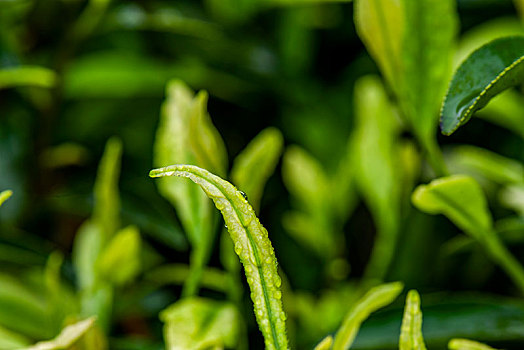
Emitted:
<point x="460" y="198"/>
<point x="252" y="245"/>
<point x="68" y="337"/>
<point x="466" y="344"/>
<point x="488" y="71"/>
<point x="256" y="163"/>
<point x="376" y="298"/>
<point x="375" y="157"/>
<point x="198" y="323"/>
<point x="411" y="329"/>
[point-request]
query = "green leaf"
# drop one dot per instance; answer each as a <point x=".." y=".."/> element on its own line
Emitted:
<point x="325" y="344"/>
<point x="426" y="62"/>
<point x="411" y="329"/>
<point x="513" y="197"/>
<point x="106" y="211"/>
<point x="465" y="344"/>
<point x="27" y="76"/>
<point x="67" y="338"/>
<point x="252" y="245"/>
<point x="376" y="298"/>
<point x="186" y="135"/>
<point x="490" y="165"/>
<point x="460" y="198"/>
<point x="198" y="323"/>
<point x="375" y="157"/>
<point x="120" y="261"/>
<point x="12" y="340"/>
<point x="4" y="195"/>
<point x="256" y="163"/>
<point x="380" y="24"/>
<point x="449" y="316"/>
<point x="507" y="110"/>
<point x="212" y="278"/>
<point x="488" y="71"/>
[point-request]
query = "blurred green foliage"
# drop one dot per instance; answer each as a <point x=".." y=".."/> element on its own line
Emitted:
<point x="324" y="112"/>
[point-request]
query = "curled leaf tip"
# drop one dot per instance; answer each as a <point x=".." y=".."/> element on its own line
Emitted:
<point x="4" y="195"/>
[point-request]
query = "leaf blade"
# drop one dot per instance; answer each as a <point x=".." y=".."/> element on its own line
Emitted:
<point x="411" y="330"/>
<point x="488" y="71"/>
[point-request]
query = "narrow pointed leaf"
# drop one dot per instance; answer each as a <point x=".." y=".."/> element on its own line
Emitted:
<point x="27" y="76"/>
<point x="376" y="298"/>
<point x="411" y="329"/>
<point x="255" y="164"/>
<point x="252" y="245"/>
<point x="466" y="344"/>
<point x="488" y="71"/>
<point x="4" y="195"/>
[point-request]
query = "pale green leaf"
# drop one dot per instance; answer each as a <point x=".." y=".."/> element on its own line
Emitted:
<point x="198" y="323"/>
<point x="120" y="261"/>
<point x="4" y="195"/>
<point x="375" y="158"/>
<point x="256" y="163"/>
<point x="69" y="336"/>
<point x="487" y="72"/>
<point x="380" y="25"/>
<point x="106" y="211"/>
<point x="513" y="197"/>
<point x="460" y="198"/>
<point x="466" y="344"/>
<point x="325" y="344"/>
<point x="27" y="76"/>
<point x="490" y="165"/>
<point x="411" y="330"/>
<point x="87" y="247"/>
<point x="376" y="298"/>
<point x="186" y="135"/>
<point x="252" y="245"/>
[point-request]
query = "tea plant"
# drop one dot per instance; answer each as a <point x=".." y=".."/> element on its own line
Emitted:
<point x="338" y="156"/>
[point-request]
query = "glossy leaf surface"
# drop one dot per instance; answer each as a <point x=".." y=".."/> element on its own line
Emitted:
<point x="488" y="71"/>
<point x="252" y="245"/>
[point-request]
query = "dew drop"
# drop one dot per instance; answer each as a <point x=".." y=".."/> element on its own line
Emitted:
<point x="277" y="294"/>
<point x="243" y="194"/>
<point x="277" y="281"/>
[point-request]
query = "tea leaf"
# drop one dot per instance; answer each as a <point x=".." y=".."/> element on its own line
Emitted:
<point x="252" y="246"/>
<point x="426" y="62"/>
<point x="487" y="72"/>
<point x="4" y="195"/>
<point x="120" y="260"/>
<point x="106" y="212"/>
<point x="460" y="198"/>
<point x="380" y="24"/>
<point x="27" y="76"/>
<point x="325" y="344"/>
<point x="198" y="323"/>
<point x="493" y="166"/>
<point x="67" y="337"/>
<point x="411" y="330"/>
<point x="185" y="135"/>
<point x="376" y="298"/>
<point x="375" y="159"/>
<point x="255" y="164"/>
<point x="465" y="344"/>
